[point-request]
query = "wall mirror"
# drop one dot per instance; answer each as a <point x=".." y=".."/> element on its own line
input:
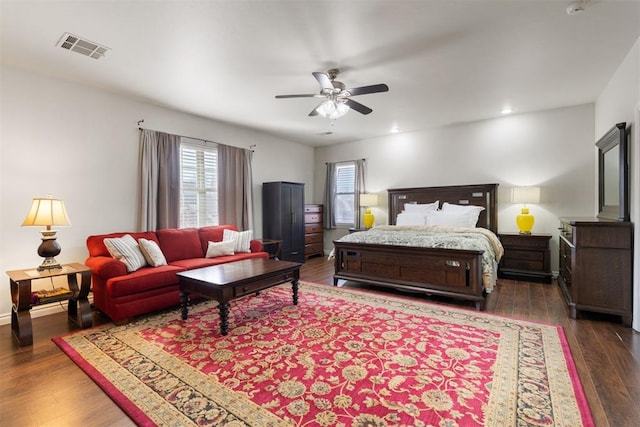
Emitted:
<point x="613" y="174"/>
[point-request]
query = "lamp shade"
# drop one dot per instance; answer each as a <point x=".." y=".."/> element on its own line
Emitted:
<point x="47" y="211"/>
<point x="368" y="199"/>
<point x="525" y="195"/>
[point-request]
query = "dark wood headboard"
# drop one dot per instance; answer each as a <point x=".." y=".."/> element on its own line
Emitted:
<point x="485" y="195"/>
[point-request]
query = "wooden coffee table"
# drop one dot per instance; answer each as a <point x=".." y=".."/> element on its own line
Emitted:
<point x="228" y="281"/>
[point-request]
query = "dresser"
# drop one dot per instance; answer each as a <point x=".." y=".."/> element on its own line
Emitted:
<point x="596" y="266"/>
<point x="526" y="257"/>
<point x="283" y="217"/>
<point x="313" y="231"/>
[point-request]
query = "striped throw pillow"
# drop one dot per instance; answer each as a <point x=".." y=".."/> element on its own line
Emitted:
<point x="242" y="239"/>
<point x="126" y="249"/>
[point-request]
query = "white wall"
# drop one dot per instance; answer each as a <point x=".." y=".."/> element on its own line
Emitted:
<point x="81" y="145"/>
<point x="620" y="102"/>
<point x="551" y="149"/>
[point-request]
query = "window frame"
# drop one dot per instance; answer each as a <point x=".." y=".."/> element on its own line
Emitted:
<point x="338" y="205"/>
<point x="202" y="184"/>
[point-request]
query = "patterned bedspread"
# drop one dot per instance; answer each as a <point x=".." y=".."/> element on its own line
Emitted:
<point x="479" y="239"/>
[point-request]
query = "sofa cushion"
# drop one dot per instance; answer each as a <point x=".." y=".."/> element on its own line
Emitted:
<point x="126" y="249"/>
<point x="213" y="233"/>
<point x="143" y="280"/>
<point x="181" y="243"/>
<point x="190" y="264"/>
<point x="217" y="249"/>
<point x="242" y="239"/>
<point x="152" y="252"/>
<point x="96" y="247"/>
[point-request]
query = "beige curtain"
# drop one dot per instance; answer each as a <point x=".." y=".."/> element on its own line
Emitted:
<point x="329" y="218"/>
<point x="159" y="203"/>
<point x="235" y="187"/>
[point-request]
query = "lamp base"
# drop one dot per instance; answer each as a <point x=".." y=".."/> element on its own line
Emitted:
<point x="49" y="249"/>
<point x="49" y="263"/>
<point x="368" y="219"/>
<point x="525" y="221"/>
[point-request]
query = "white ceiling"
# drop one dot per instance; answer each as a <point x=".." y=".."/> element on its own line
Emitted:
<point x="445" y="61"/>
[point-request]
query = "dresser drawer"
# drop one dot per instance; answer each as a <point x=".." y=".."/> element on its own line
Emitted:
<point x="313" y="238"/>
<point x="312" y="218"/>
<point x="313" y="228"/>
<point x="313" y="249"/>
<point x="312" y="208"/>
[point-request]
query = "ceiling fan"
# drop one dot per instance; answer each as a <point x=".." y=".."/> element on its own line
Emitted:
<point x="338" y="101"/>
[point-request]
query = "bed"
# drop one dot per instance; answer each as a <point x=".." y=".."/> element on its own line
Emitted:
<point x="454" y="272"/>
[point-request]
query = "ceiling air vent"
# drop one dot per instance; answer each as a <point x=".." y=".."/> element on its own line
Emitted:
<point x="78" y="44"/>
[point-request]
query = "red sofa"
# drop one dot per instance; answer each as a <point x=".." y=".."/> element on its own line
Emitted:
<point x="122" y="295"/>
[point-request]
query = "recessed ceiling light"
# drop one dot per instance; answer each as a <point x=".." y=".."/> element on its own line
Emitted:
<point x="506" y="110"/>
<point x="395" y="129"/>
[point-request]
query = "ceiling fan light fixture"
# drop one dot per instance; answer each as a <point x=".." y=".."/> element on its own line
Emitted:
<point x="332" y="109"/>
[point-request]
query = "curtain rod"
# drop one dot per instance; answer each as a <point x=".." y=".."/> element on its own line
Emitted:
<point x="345" y="161"/>
<point x="251" y="147"/>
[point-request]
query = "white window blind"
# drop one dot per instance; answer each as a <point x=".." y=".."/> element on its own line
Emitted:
<point x="198" y="183"/>
<point x="345" y="188"/>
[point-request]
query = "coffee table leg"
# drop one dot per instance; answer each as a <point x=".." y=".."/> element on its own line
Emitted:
<point x="184" y="302"/>
<point x="224" y="318"/>
<point x="294" y="286"/>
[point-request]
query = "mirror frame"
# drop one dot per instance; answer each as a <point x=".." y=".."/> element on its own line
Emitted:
<point x="615" y="137"/>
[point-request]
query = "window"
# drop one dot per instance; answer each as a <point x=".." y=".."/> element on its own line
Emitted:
<point x="198" y="183"/>
<point x="345" y="202"/>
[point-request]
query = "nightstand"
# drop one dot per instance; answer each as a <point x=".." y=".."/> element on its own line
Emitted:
<point x="526" y="257"/>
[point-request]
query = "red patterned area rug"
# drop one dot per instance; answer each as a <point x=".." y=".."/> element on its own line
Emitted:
<point x="339" y="358"/>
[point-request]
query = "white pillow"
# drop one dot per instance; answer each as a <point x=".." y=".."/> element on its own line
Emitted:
<point x="408" y="218"/>
<point x="216" y="249"/>
<point x="472" y="211"/>
<point x="152" y="252"/>
<point x="126" y="249"/>
<point x="449" y="218"/>
<point x="421" y="208"/>
<point x="242" y="239"/>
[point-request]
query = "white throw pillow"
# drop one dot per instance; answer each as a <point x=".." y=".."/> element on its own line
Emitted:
<point x="421" y="208"/>
<point x="242" y="239"/>
<point x="472" y="211"/>
<point x="452" y="219"/>
<point x="408" y="218"/>
<point x="216" y="249"/>
<point x="152" y="252"/>
<point x="126" y="249"/>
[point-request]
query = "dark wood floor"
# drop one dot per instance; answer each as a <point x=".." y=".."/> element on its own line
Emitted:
<point x="40" y="386"/>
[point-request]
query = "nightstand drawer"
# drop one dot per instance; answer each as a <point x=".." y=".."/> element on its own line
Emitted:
<point x="527" y="241"/>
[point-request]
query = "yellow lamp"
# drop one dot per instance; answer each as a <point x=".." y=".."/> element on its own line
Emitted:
<point x="367" y="200"/>
<point x="525" y="195"/>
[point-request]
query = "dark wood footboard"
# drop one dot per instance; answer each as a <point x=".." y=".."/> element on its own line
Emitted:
<point x="448" y="272"/>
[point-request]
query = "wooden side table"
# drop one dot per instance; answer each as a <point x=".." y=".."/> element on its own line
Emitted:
<point x="526" y="257"/>
<point x="78" y="308"/>
<point x="273" y="246"/>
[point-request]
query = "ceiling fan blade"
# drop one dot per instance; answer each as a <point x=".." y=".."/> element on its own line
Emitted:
<point x="357" y="106"/>
<point x="323" y="79"/>
<point x="306" y="95"/>
<point x="363" y="90"/>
